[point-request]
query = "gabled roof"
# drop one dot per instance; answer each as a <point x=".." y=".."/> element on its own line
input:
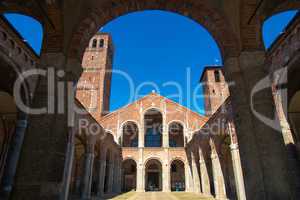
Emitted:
<point x="151" y="95"/>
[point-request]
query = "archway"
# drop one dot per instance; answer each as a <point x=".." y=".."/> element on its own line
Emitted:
<point x="129" y="175"/>
<point x="153" y="175"/>
<point x="153" y="121"/>
<point x="177" y="176"/>
<point x="176" y="135"/>
<point x="130" y="134"/>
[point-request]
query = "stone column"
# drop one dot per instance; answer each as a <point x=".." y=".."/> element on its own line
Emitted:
<point x="196" y="177"/>
<point x="88" y="172"/>
<point x="140" y="174"/>
<point x="166" y="177"/>
<point x="13" y="156"/>
<point x="236" y="164"/>
<point x="68" y="166"/>
<point x="188" y="178"/>
<point x="118" y="183"/>
<point x="218" y="177"/>
<point x="142" y="129"/>
<point x="260" y="146"/>
<point x="111" y="166"/>
<point x="101" y="178"/>
<point x="205" y="182"/>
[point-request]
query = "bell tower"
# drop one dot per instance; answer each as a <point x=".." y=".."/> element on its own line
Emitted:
<point x="93" y="90"/>
<point x="215" y="88"/>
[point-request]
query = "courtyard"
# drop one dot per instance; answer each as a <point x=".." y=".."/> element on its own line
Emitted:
<point x="160" y="195"/>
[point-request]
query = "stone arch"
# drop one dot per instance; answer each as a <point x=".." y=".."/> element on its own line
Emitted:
<point x="153" y="175"/>
<point x="130" y="133"/>
<point x="129" y="174"/>
<point x="177" y="174"/>
<point x="153" y="127"/>
<point x="212" y="18"/>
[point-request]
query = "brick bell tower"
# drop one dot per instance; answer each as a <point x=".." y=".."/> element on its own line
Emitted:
<point x="215" y="88"/>
<point x="93" y="89"/>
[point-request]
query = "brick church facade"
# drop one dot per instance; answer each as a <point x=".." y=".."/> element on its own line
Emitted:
<point x="154" y="132"/>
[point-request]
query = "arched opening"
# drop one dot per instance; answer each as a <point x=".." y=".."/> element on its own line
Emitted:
<point x="176" y="135"/>
<point x="275" y="26"/>
<point x="94" y="43"/>
<point x="153" y="121"/>
<point x="8" y="117"/>
<point x="177" y="176"/>
<point x="77" y="168"/>
<point x="129" y="175"/>
<point x="30" y="30"/>
<point x="130" y="134"/>
<point x="153" y="175"/>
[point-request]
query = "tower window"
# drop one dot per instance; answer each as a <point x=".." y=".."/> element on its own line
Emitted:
<point x="217" y="76"/>
<point x="101" y="43"/>
<point x="94" y="45"/>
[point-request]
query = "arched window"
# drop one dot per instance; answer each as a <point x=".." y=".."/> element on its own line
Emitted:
<point x="101" y="43"/>
<point x="176" y="138"/>
<point x="130" y="134"/>
<point x="153" y="121"/>
<point x="94" y="44"/>
<point x="217" y="76"/>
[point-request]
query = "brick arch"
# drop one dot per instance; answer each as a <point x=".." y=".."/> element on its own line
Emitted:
<point x="203" y="12"/>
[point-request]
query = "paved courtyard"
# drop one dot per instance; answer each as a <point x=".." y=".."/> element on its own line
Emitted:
<point x="160" y="196"/>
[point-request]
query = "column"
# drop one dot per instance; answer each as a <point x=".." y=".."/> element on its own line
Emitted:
<point x="205" y="182"/>
<point x="116" y="181"/>
<point x="236" y="164"/>
<point x="101" y="178"/>
<point x="166" y="177"/>
<point x="140" y="175"/>
<point x="88" y="172"/>
<point x="196" y="177"/>
<point x="165" y="133"/>
<point x="260" y="146"/>
<point x="188" y="178"/>
<point x="111" y="166"/>
<point x="119" y="176"/>
<point x="165" y="137"/>
<point x="68" y="165"/>
<point x="141" y="130"/>
<point x="13" y="156"/>
<point x="219" y="183"/>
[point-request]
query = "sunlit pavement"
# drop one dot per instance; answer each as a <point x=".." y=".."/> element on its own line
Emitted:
<point x="159" y="196"/>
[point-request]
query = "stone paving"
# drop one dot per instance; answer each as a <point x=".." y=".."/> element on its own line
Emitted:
<point x="160" y="196"/>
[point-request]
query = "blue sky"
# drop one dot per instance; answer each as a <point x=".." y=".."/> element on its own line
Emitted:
<point x="157" y="50"/>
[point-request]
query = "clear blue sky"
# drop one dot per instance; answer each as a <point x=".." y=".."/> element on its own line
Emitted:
<point x="158" y="47"/>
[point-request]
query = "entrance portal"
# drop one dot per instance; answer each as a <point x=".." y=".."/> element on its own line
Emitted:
<point x="153" y="176"/>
